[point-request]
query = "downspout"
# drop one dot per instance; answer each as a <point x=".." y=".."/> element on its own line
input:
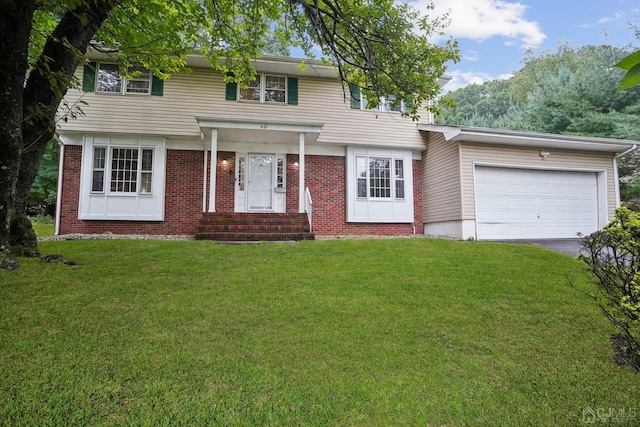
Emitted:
<point x="615" y="172"/>
<point x="56" y="230"/>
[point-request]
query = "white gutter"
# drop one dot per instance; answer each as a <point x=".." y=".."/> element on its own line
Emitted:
<point x="615" y="172"/>
<point x="56" y="230"/>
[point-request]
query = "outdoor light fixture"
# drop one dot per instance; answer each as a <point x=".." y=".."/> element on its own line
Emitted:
<point x="224" y="162"/>
<point x="295" y="164"/>
<point x="544" y="154"/>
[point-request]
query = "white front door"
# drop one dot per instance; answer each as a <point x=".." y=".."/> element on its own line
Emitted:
<point x="260" y="182"/>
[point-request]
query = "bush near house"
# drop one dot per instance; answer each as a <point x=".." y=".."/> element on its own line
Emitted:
<point x="613" y="258"/>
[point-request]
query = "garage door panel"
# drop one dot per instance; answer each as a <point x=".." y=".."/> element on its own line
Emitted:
<point x="524" y="203"/>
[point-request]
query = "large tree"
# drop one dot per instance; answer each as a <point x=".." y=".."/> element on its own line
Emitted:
<point x="382" y="46"/>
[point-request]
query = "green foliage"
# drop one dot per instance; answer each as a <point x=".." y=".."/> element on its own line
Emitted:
<point x="570" y="91"/>
<point x="613" y="258"/>
<point x="44" y="187"/>
<point x="631" y="64"/>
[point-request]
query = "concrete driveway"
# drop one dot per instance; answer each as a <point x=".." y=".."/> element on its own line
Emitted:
<point x="567" y="246"/>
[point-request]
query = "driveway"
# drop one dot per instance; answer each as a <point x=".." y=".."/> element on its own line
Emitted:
<point x="567" y="246"/>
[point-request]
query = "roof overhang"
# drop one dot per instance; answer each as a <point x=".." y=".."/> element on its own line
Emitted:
<point x="259" y="130"/>
<point x="528" y="139"/>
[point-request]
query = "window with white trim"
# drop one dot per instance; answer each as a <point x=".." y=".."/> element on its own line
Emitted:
<point x="377" y="176"/>
<point x="266" y="88"/>
<point x="126" y="173"/>
<point x="387" y="104"/>
<point x="111" y="80"/>
<point x="379" y="186"/>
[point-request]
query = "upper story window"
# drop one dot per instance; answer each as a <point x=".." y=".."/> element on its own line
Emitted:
<point x="110" y="80"/>
<point x="265" y="88"/>
<point x="388" y="104"/>
<point x="104" y="77"/>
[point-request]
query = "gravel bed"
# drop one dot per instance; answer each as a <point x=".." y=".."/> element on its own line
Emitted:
<point x="111" y="236"/>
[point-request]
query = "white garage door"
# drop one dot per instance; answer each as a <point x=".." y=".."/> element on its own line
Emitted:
<point x="525" y="203"/>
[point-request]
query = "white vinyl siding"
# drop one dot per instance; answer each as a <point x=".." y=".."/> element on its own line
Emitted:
<point x="202" y="94"/>
<point x="442" y="199"/>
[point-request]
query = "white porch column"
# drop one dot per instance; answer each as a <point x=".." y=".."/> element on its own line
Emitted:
<point x="301" y="190"/>
<point x="212" y="170"/>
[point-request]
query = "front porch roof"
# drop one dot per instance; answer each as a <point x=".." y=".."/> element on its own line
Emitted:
<point x="261" y="130"/>
<point x="528" y="139"/>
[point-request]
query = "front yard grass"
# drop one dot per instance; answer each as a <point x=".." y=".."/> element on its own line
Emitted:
<point x="366" y="332"/>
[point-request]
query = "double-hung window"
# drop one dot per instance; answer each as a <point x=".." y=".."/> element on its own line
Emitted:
<point x="389" y="104"/>
<point x="122" y="170"/>
<point x="379" y="177"/>
<point x="111" y="80"/>
<point x="265" y="88"/>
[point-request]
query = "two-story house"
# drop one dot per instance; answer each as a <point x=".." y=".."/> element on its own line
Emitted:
<point x="193" y="155"/>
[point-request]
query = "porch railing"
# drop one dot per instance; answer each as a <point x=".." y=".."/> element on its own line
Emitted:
<point x="308" y="207"/>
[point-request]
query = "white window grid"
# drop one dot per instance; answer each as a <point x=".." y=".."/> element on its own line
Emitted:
<point x="110" y="80"/>
<point x="127" y="172"/>
<point x="266" y="88"/>
<point x="379" y="178"/>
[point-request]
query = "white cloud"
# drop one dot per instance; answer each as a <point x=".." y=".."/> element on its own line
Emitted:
<point x="470" y="55"/>
<point x="461" y="79"/>
<point x="483" y="19"/>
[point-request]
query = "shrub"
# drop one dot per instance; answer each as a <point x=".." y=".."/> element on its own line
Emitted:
<point x="613" y="259"/>
<point x="42" y="219"/>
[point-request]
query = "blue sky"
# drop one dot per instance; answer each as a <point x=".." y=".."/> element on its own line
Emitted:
<point x="494" y="34"/>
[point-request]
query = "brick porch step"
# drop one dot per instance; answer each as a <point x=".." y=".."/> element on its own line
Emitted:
<point x="251" y="227"/>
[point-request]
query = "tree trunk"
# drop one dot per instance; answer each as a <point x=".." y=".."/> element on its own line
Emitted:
<point x="15" y="27"/>
<point x="60" y="57"/>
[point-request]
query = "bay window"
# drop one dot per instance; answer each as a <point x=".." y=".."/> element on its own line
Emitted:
<point x="122" y="178"/>
<point x="126" y="174"/>
<point x="377" y="186"/>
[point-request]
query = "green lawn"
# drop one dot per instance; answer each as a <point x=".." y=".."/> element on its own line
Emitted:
<point x="369" y="332"/>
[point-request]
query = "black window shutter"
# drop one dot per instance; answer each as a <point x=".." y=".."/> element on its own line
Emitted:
<point x="157" y="86"/>
<point x="292" y="90"/>
<point x="355" y="96"/>
<point x="89" y="77"/>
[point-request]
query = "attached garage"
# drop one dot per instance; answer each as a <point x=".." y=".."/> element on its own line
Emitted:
<point x="514" y="203"/>
<point x="494" y="184"/>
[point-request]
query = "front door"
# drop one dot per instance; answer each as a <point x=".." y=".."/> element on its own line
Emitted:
<point x="260" y="182"/>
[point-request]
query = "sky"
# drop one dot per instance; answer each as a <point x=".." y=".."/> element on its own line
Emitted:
<point x="494" y="34"/>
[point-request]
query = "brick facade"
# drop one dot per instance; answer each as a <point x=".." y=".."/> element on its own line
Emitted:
<point x="183" y="198"/>
<point x="184" y="192"/>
